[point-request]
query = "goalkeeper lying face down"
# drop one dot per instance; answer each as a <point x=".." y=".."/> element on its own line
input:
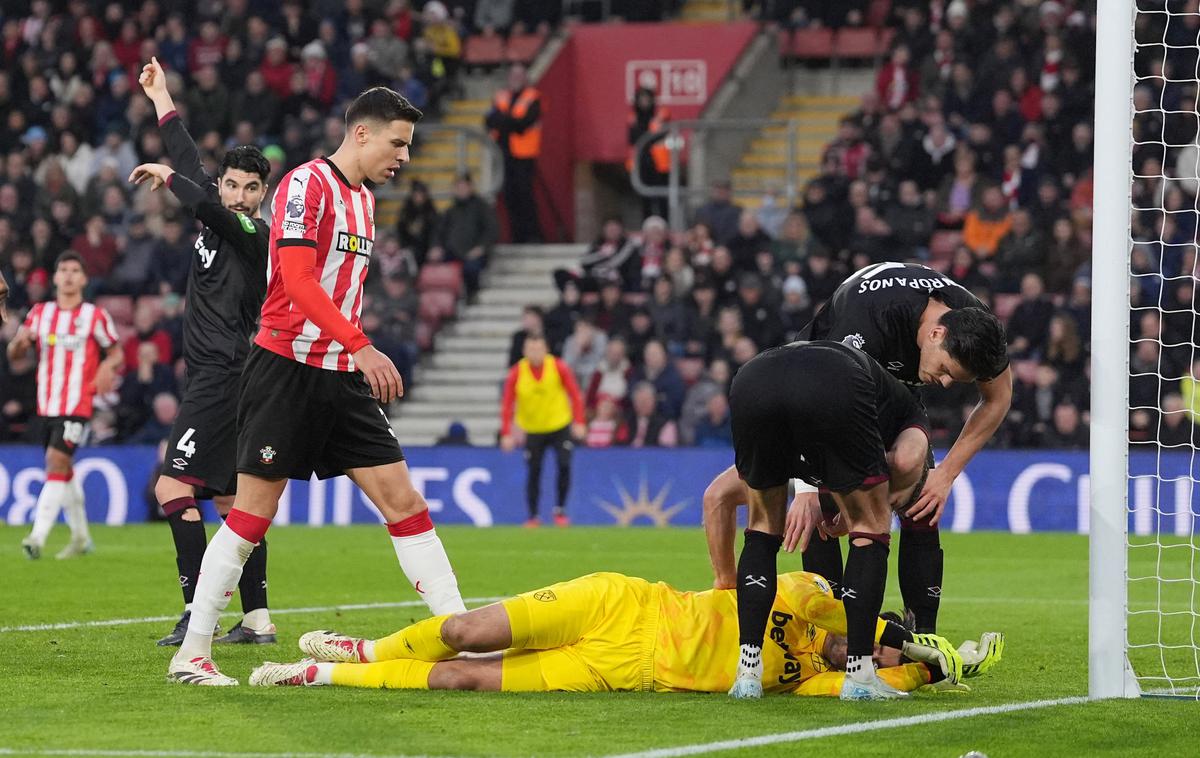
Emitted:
<point x="610" y="632"/>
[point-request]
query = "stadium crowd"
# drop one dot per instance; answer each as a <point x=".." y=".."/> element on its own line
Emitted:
<point x="972" y="154"/>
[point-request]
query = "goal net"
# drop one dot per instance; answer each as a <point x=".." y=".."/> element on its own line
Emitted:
<point x="1145" y="567"/>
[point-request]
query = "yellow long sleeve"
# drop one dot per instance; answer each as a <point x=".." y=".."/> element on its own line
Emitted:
<point x="905" y="678"/>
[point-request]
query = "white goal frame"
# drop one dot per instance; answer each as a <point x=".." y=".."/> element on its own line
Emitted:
<point x="1109" y="672"/>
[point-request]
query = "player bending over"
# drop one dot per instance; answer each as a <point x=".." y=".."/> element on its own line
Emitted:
<point x="71" y="335"/>
<point x="313" y="384"/>
<point x="608" y="632"/>
<point x="227" y="282"/>
<point x="924" y="329"/>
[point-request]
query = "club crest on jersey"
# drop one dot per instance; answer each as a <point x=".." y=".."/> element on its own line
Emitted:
<point x="855" y="341"/>
<point x="354" y="243"/>
<point x="267" y="455"/>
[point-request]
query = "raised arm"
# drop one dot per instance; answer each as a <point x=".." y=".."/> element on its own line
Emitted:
<point x="178" y="142"/>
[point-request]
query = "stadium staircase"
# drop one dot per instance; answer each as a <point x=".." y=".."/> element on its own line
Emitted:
<point x="461" y="378"/>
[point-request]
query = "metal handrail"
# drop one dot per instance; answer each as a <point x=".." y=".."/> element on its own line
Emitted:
<point x="674" y="191"/>
<point x="491" y="174"/>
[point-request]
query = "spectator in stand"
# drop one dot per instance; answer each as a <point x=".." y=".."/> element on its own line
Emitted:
<point x="147" y="329"/>
<point x="724" y="275"/>
<point x="1176" y="429"/>
<point x="748" y="241"/>
<point x="773" y="212"/>
<point x="165" y="408"/>
<point x="667" y="315"/>
<point x="647" y="425"/>
<point x="654" y="164"/>
<point x="849" y="151"/>
<point x="1020" y="250"/>
<point x="613" y="254"/>
<point x="418" y="220"/>
<point x="466" y="232"/>
<point x="760" y="318"/>
<point x="532" y="322"/>
<point x="455" y="436"/>
<point x="960" y="191"/>
<point x="494" y="16"/>
<point x="360" y="74"/>
<point x="515" y="123"/>
<point x="540" y="393"/>
<point x="796" y="310"/>
<point x="442" y="36"/>
<point x="390" y="321"/>
<point x="320" y="80"/>
<point x="584" y="349"/>
<point x="966" y="270"/>
<point x="701" y="317"/>
<point x="174" y="257"/>
<point x="611" y="377"/>
<point x="898" y="82"/>
<point x="98" y="249"/>
<point x="133" y="273"/>
<point x="276" y="70"/>
<point x="720" y="215"/>
<point x="660" y="373"/>
<point x="1066" y="256"/>
<point x="910" y="222"/>
<point x="715" y="428"/>
<point x="715" y="381"/>
<point x="682" y="275"/>
<point x="207" y="103"/>
<point x="149" y="377"/>
<point x="1064" y="349"/>
<point x="1027" y="331"/>
<point x="652" y="250"/>
<point x="607" y="428"/>
<point x="987" y="223"/>
<point x="560" y="320"/>
<point x="612" y="315"/>
<point x="1068" y="431"/>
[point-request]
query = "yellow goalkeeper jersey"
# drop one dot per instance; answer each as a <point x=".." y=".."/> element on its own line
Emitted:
<point x="697" y="637"/>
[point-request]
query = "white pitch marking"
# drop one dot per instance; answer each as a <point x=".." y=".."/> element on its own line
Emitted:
<point x="274" y="612"/>
<point x="857" y="728"/>
<point x="187" y="753"/>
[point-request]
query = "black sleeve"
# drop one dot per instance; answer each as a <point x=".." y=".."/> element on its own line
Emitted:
<point x="529" y="119"/>
<point x="185" y="158"/>
<point x="245" y="234"/>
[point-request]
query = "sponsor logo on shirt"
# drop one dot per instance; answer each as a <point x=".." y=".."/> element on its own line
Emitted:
<point x="206" y="256"/>
<point x="66" y="341"/>
<point x="873" y="285"/>
<point x="354" y="243"/>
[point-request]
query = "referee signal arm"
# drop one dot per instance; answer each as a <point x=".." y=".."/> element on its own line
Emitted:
<point x="297" y="266"/>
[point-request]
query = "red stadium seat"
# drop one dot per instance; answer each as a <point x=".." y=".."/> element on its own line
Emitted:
<point x="438" y="305"/>
<point x="523" y="48"/>
<point x="1004" y="305"/>
<point x="806" y="44"/>
<point x="858" y="45"/>
<point x="425" y="332"/>
<point x="120" y="307"/>
<point x="441" y="276"/>
<point x="483" y="50"/>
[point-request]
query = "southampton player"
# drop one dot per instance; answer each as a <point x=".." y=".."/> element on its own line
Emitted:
<point x="811" y="410"/>
<point x="227" y="282"/>
<point x="607" y="632"/>
<point x="925" y="329"/>
<point x="71" y="336"/>
<point x="313" y="383"/>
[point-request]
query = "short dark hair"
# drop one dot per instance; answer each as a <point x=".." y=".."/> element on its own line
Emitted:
<point x="246" y="158"/>
<point x="67" y="257"/>
<point x="975" y="338"/>
<point x="381" y="104"/>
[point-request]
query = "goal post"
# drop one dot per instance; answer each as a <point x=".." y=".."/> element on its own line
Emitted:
<point x="1109" y="673"/>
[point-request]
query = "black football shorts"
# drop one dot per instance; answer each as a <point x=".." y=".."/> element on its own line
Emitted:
<point x="202" y="448"/>
<point x="65" y="434"/>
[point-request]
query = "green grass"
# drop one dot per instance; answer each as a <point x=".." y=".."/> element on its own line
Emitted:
<point x="104" y="688"/>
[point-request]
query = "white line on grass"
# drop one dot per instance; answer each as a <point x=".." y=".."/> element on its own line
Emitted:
<point x="188" y="753"/>
<point x="274" y="612"/>
<point x="857" y="728"/>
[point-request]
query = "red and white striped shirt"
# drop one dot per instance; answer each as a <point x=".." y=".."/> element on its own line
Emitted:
<point x="315" y="206"/>
<point x="70" y="343"/>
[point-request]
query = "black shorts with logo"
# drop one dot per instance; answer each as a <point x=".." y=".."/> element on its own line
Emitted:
<point x="202" y="448"/>
<point x="65" y="434"/>
<point x="296" y="420"/>
<point x="810" y="411"/>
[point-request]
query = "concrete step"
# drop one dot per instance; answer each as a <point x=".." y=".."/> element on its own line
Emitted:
<point x="803" y="128"/>
<point x="529" y="267"/>
<point x="779" y="160"/>
<point x="467" y="393"/>
<point x="519" y="296"/>
<point x="529" y="279"/>
<point x="541" y="251"/>
<point x="779" y="145"/>
<point x="451" y="408"/>
<point x="458" y="376"/>
<point x="482" y="431"/>
<point x="500" y="312"/>
<point x="482" y="328"/>
<point x="456" y="342"/>
<point x="475" y="360"/>
<point x="833" y="102"/>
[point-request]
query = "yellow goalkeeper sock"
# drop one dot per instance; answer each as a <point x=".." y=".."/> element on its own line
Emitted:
<point x="421" y="641"/>
<point x="389" y="675"/>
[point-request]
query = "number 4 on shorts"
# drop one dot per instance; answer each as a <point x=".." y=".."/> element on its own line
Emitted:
<point x="185" y="445"/>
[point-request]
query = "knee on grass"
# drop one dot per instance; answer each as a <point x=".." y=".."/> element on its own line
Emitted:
<point x="466" y="633"/>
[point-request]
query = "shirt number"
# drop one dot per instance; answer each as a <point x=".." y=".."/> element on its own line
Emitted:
<point x="185" y="445"/>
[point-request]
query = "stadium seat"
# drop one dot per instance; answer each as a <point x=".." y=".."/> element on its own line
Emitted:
<point x="523" y="48"/>
<point x="858" y="45"/>
<point x="1004" y="305"/>
<point x="437" y="305"/>
<point x="441" y="276"/>
<point x="483" y="50"/>
<point x="425" y="332"/>
<point x="806" y="44"/>
<point x="120" y="307"/>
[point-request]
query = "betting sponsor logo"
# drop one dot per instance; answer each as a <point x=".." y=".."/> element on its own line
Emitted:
<point x="206" y="256"/>
<point x="792" y="670"/>
<point x="354" y="243"/>
<point x="67" y="341"/>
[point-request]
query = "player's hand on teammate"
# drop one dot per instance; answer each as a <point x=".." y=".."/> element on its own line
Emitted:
<point x="804" y="515"/>
<point x="157" y="173"/>
<point x="153" y="80"/>
<point x="380" y="373"/>
<point x="507" y="443"/>
<point x="933" y="497"/>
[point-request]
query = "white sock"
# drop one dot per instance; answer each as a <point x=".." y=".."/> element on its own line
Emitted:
<point x="73" y="506"/>
<point x="424" y="562"/>
<point x="257" y="620"/>
<point x="750" y="662"/>
<point x="860" y="668"/>
<point x="49" y="503"/>
<point x="324" y="674"/>
<point x="368" y="651"/>
<point x="219" y="574"/>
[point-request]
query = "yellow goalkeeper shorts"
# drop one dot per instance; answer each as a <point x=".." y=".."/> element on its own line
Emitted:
<point x="591" y="634"/>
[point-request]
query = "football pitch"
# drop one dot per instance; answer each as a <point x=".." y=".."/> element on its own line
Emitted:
<point x="80" y="674"/>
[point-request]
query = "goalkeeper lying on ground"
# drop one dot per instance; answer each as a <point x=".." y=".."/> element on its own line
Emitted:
<point x="609" y="632"/>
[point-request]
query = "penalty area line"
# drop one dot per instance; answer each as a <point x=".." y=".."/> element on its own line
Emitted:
<point x="844" y="729"/>
<point x="274" y="612"/>
<point x="186" y="753"/>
